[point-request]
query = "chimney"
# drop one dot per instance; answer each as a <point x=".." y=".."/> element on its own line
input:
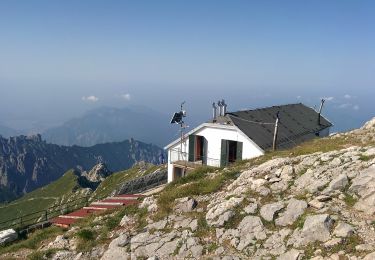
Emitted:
<point x="320" y="110"/>
<point x="224" y="107"/>
<point x="220" y="107"/>
<point x="214" y="111"/>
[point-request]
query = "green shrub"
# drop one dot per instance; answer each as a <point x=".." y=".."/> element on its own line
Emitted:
<point x="86" y="234"/>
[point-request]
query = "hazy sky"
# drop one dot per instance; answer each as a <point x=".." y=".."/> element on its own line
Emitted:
<point x="61" y="58"/>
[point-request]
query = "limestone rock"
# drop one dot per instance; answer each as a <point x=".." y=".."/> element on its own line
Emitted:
<point x="294" y="209"/>
<point x="250" y="228"/>
<point x="370" y="256"/>
<point x="316" y="204"/>
<point x="315" y="228"/>
<point x="149" y="203"/>
<point x="251" y="208"/>
<point x="220" y="213"/>
<point x="364" y="186"/>
<point x="343" y="230"/>
<point x="292" y="254"/>
<point x="158" y="225"/>
<point x="185" y="205"/>
<point x="63" y="255"/>
<point x="269" y="211"/>
<point x="127" y="221"/>
<point x="338" y="183"/>
<point x="333" y="242"/>
<point x="60" y="242"/>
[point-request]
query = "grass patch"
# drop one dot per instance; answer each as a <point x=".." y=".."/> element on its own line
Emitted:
<point x="350" y="200"/>
<point x="203" y="228"/>
<point x="299" y="222"/>
<point x="212" y="247"/>
<point x="195" y="183"/>
<point x="86" y="234"/>
<point x="42" y="255"/>
<point x="348" y="245"/>
<point x="365" y="158"/>
<point x="40" y="199"/>
<point x="86" y="240"/>
<point x="33" y="240"/>
<point x="234" y="221"/>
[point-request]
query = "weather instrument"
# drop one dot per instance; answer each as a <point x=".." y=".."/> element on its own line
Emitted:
<point x="178" y="118"/>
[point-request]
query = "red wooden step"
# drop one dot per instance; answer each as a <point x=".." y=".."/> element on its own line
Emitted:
<point x="63" y="221"/>
<point x="130" y="196"/>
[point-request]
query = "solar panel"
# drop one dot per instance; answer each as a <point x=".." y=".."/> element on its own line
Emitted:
<point x="177" y="118"/>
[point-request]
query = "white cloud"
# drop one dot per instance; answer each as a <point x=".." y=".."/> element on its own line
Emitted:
<point x="90" y="98"/>
<point x="328" y="98"/>
<point x="348" y="105"/>
<point x="345" y="105"/>
<point x="126" y="96"/>
<point x="347" y="96"/>
<point x="299" y="97"/>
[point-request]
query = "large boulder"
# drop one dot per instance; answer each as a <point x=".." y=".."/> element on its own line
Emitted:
<point x="269" y="211"/>
<point x="150" y="203"/>
<point x="338" y="183"/>
<point x="294" y="209"/>
<point x="343" y="230"/>
<point x="364" y="186"/>
<point x="116" y="249"/>
<point x="185" y="205"/>
<point x="315" y="228"/>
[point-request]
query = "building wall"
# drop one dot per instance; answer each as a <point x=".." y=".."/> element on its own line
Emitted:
<point x="214" y="136"/>
<point x="324" y="132"/>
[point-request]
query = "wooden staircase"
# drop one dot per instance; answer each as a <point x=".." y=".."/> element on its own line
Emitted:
<point x="97" y="206"/>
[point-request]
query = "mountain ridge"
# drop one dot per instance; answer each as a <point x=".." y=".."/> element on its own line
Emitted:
<point x="28" y="162"/>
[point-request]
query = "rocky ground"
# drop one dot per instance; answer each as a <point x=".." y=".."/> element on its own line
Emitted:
<point x="313" y="206"/>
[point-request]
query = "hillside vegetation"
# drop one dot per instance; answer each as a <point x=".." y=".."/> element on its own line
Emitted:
<point x="70" y="189"/>
<point x="315" y="201"/>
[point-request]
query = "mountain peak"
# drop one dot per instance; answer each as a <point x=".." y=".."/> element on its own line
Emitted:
<point x="98" y="173"/>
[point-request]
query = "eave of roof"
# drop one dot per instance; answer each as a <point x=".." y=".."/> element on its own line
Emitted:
<point x="213" y="125"/>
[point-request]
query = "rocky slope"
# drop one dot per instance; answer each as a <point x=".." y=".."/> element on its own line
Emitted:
<point x="27" y="163"/>
<point x="298" y="204"/>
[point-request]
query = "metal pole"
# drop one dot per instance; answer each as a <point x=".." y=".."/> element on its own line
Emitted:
<point x="320" y="109"/>
<point x="275" y="132"/>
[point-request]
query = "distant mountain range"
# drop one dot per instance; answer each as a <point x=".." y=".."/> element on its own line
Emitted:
<point x="27" y="163"/>
<point x="108" y="124"/>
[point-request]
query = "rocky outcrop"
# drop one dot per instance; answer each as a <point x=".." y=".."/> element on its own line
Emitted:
<point x="98" y="173"/>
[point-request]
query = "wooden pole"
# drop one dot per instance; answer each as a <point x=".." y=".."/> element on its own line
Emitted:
<point x="275" y="132"/>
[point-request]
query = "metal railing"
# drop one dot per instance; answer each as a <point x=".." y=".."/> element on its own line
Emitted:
<point x="178" y="156"/>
